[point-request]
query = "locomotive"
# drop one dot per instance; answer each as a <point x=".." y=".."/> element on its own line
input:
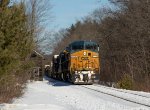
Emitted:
<point x="78" y="63"/>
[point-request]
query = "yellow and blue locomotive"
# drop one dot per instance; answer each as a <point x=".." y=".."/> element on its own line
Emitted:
<point x="78" y="63"/>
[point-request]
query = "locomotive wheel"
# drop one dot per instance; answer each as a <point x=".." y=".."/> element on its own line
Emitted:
<point x="62" y="76"/>
<point x="73" y="79"/>
<point x="69" y="77"/>
<point x="65" y="76"/>
<point x="59" y="77"/>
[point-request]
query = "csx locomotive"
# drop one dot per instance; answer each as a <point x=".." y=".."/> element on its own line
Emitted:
<point x="78" y="63"/>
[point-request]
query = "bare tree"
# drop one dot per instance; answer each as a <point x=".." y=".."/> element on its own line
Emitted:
<point x="39" y="14"/>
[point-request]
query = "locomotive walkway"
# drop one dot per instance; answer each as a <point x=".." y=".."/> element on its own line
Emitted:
<point x="51" y="94"/>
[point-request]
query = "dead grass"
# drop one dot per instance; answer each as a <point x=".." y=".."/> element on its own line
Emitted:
<point x="12" y="86"/>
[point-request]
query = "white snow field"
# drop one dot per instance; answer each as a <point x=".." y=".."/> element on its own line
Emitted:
<point x="51" y="94"/>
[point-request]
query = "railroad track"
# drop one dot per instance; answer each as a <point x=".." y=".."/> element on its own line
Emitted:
<point x="109" y="88"/>
<point x="116" y="96"/>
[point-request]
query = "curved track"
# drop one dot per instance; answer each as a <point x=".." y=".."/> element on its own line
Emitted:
<point x="126" y="99"/>
<point x="128" y="92"/>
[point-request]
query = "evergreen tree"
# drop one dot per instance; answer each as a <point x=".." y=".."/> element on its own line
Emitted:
<point x="16" y="43"/>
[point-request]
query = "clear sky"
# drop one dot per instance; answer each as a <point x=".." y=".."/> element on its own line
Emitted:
<point x="66" y="12"/>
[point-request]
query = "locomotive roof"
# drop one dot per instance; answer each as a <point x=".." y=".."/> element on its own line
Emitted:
<point x="83" y="42"/>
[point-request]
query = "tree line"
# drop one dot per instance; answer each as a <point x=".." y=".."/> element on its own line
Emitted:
<point x="123" y="34"/>
<point x="20" y="27"/>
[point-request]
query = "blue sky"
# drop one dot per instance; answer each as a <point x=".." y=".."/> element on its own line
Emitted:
<point x="66" y="12"/>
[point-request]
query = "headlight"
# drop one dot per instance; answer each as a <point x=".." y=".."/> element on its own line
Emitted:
<point x="92" y="72"/>
<point x="84" y="53"/>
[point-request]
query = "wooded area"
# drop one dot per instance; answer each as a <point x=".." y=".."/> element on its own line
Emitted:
<point x="124" y="38"/>
<point x="16" y="43"/>
<point x="20" y="27"/>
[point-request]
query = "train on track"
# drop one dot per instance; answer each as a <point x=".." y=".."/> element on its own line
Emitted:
<point x="78" y="63"/>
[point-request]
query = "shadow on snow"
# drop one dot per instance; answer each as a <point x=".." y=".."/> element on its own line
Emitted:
<point x="56" y="83"/>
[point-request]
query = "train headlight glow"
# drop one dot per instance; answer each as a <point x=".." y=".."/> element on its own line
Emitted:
<point x="81" y="77"/>
<point x="84" y="53"/>
<point x="89" y="75"/>
<point x="92" y="72"/>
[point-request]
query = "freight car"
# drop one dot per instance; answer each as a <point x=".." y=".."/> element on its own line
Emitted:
<point x="78" y="63"/>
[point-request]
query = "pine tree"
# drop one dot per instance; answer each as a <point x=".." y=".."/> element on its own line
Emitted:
<point x="16" y="43"/>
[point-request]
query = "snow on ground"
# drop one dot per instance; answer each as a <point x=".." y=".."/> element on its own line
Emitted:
<point x="146" y="94"/>
<point x="139" y="99"/>
<point x="55" y="95"/>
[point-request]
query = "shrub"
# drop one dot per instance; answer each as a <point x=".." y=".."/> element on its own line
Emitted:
<point x="126" y="82"/>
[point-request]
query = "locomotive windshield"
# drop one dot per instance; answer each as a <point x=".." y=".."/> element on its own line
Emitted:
<point x="91" y="46"/>
<point x="80" y="45"/>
